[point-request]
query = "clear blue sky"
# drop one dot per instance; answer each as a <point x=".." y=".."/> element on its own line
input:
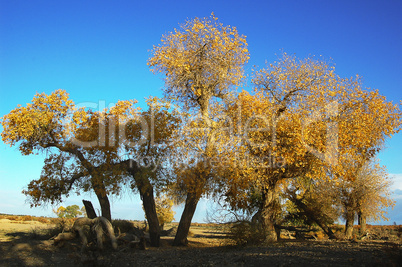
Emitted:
<point x="97" y="51"/>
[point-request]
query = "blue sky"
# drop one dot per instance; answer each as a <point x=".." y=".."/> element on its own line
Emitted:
<point x="97" y="51"/>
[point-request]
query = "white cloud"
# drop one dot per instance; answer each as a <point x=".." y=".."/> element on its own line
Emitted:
<point x="396" y="187"/>
<point x="397" y="180"/>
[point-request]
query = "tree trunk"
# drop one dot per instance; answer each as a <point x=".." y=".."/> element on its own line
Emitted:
<point x="104" y="204"/>
<point x="100" y="191"/>
<point x="350" y="218"/>
<point x="89" y="209"/>
<point x="185" y="220"/>
<point x="361" y="217"/>
<point x="146" y="190"/>
<point x="148" y="201"/>
<point x="268" y="210"/>
<point x="327" y="230"/>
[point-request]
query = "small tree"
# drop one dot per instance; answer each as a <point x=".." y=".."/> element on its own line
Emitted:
<point x="164" y="210"/>
<point x="366" y="195"/>
<point x="72" y="211"/>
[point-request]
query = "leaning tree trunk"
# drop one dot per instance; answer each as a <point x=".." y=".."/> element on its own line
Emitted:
<point x="185" y="220"/>
<point x="327" y="230"/>
<point x="104" y="204"/>
<point x="147" y="195"/>
<point x="361" y="218"/>
<point x="312" y="215"/>
<point x="350" y="218"/>
<point x="100" y="192"/>
<point x="195" y="193"/>
<point x="146" y="190"/>
<point x="268" y="210"/>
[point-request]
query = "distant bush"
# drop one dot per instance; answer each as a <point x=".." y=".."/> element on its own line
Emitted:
<point x="26" y="218"/>
<point x="12" y="218"/>
<point x="23" y="218"/>
<point x="42" y="220"/>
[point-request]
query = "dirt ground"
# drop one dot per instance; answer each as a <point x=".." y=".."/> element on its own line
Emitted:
<point x="22" y="244"/>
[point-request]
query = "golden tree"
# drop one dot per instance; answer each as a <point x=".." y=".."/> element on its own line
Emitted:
<point x="308" y="119"/>
<point x="202" y="62"/>
<point x="76" y="143"/>
<point x="272" y="131"/>
<point x="93" y="150"/>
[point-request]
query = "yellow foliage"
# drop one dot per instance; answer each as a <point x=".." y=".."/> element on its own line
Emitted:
<point x="304" y="115"/>
<point x="203" y="59"/>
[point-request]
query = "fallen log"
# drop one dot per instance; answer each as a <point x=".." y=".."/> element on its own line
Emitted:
<point x="97" y="225"/>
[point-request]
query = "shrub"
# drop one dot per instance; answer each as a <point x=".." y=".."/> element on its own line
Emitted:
<point x="164" y="210"/>
<point x="63" y="224"/>
<point x="246" y="233"/>
<point x="123" y="226"/>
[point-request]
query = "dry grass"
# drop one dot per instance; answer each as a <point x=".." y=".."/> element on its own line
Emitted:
<point x="26" y="218"/>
